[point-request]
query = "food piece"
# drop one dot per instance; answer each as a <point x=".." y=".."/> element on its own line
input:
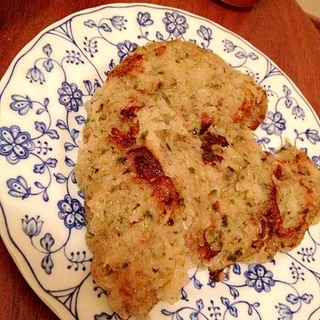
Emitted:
<point x="262" y="203"/>
<point x="173" y="178"/>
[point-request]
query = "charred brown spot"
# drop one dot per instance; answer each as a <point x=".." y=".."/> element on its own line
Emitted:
<point x="170" y="222"/>
<point x="275" y="222"/>
<point x="278" y="172"/>
<point x="244" y="112"/>
<point x="205" y="251"/>
<point x="130" y="112"/>
<point x="165" y="191"/>
<point x="216" y="206"/>
<point x="124" y="139"/>
<point x="147" y="166"/>
<point x="274" y="217"/>
<point x="212" y="147"/>
<point x="130" y="65"/>
<point x="216" y="275"/>
<point x="215" y="139"/>
<point x="159" y="51"/>
<point x="209" y="157"/>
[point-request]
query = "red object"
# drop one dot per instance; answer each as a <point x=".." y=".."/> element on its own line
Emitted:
<point x="240" y="3"/>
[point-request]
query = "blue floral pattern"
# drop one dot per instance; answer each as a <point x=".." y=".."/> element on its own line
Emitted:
<point x="70" y="96"/>
<point x="259" y="278"/>
<point x="72" y="212"/>
<point x="175" y="23"/>
<point x="40" y="125"/>
<point x="274" y="123"/>
<point x="31" y="226"/>
<point x="14" y="144"/>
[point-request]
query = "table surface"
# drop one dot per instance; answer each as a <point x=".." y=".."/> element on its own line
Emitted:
<point x="280" y="29"/>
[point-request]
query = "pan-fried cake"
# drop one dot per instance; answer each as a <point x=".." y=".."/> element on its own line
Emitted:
<point x="261" y="203"/>
<point x="173" y="178"/>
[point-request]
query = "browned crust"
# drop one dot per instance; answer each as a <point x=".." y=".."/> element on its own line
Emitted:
<point x="131" y="65"/>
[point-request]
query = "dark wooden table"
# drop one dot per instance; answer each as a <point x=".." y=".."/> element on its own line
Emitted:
<point x="279" y="28"/>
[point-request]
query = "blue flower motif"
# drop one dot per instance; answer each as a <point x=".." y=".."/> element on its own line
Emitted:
<point x="15" y="144"/>
<point x="144" y="19"/>
<point x="18" y="188"/>
<point x="298" y="112"/>
<point x="274" y="123"/>
<point x="259" y="278"/>
<point x="175" y="23"/>
<point x="229" y="45"/>
<point x="70" y="96"/>
<point x="118" y="22"/>
<point x="285" y="312"/>
<point x="312" y="135"/>
<point x="124" y="48"/>
<point x="31" y="226"/>
<point x="205" y="33"/>
<point x="35" y="74"/>
<point x="21" y="104"/>
<point x="72" y="212"/>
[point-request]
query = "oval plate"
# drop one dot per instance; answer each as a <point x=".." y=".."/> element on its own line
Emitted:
<point x="41" y="117"/>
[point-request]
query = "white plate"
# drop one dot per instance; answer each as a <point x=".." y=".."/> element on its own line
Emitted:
<point x="41" y="116"/>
